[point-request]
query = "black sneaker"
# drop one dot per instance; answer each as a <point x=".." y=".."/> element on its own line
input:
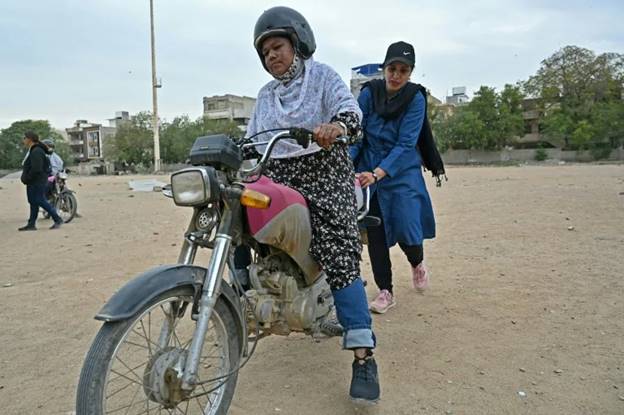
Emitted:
<point x="330" y="326"/>
<point x="27" y="228"/>
<point x="56" y="225"/>
<point x="365" y="381"/>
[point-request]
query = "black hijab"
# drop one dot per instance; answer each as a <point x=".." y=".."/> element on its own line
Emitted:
<point x="390" y="108"/>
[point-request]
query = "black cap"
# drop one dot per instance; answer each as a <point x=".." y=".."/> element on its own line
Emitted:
<point x="400" y="52"/>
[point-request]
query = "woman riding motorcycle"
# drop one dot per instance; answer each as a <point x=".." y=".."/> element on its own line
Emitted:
<point x="311" y="95"/>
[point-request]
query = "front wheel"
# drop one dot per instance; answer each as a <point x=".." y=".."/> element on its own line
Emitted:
<point x="133" y="366"/>
<point x="66" y="206"/>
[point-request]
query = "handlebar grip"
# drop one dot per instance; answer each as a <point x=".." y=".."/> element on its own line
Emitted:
<point x="302" y="136"/>
<point x="343" y="139"/>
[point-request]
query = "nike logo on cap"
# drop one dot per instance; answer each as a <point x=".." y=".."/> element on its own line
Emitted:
<point x="406" y="53"/>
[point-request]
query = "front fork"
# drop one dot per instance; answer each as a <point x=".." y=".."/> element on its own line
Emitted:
<point x="186" y="257"/>
<point x="212" y="285"/>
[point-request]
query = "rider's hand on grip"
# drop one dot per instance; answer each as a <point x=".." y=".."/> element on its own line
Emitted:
<point x="326" y="134"/>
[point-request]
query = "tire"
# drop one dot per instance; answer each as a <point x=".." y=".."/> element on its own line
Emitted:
<point x="66" y="206"/>
<point x="99" y="386"/>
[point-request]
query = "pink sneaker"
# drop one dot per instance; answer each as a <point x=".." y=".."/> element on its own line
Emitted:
<point x="383" y="302"/>
<point x="420" y="277"/>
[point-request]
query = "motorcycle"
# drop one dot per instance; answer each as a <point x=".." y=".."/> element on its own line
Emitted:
<point x="61" y="197"/>
<point x="174" y="338"/>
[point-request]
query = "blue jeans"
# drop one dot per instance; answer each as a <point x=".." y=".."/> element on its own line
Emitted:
<point x="36" y="197"/>
<point x="353" y="315"/>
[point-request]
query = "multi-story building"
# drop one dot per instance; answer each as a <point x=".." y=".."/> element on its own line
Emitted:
<point x="229" y="107"/>
<point x="458" y="96"/>
<point x="121" y="117"/>
<point x="86" y="140"/>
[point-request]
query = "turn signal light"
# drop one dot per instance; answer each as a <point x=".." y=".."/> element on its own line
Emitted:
<point x="254" y="199"/>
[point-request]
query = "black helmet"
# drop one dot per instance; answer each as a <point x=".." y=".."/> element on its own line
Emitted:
<point x="284" y="21"/>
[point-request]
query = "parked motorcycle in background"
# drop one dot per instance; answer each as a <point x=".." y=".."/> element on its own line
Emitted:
<point x="62" y="197"/>
<point x="175" y="337"/>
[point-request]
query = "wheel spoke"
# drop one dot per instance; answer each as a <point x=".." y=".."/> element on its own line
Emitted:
<point x="149" y="328"/>
<point x="176" y="340"/>
<point x="136" y="344"/>
<point x="132" y="401"/>
<point x="207" y="395"/>
<point x="129" y="371"/>
<point x="120" y="389"/>
<point x="199" y="404"/>
<point x="121" y="408"/>
<point x="139" y="381"/>
<point x="149" y="347"/>
<point x="149" y="341"/>
<point x="175" y="326"/>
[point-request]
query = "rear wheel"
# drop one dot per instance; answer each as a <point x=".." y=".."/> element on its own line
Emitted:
<point x="133" y="365"/>
<point x="66" y="206"/>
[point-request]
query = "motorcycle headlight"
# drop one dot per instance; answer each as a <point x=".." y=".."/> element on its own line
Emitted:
<point x="194" y="186"/>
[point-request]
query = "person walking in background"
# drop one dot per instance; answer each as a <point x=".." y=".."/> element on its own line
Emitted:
<point x="35" y="171"/>
<point x="388" y="159"/>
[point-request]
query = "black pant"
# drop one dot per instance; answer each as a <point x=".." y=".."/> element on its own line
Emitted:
<point x="379" y="252"/>
<point x="37" y="198"/>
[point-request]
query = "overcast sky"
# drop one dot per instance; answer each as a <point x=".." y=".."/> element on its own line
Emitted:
<point x="63" y="60"/>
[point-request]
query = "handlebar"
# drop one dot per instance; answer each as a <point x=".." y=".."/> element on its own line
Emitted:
<point x="303" y="137"/>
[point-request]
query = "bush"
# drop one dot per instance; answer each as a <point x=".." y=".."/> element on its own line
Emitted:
<point x="600" y="151"/>
<point x="541" y="154"/>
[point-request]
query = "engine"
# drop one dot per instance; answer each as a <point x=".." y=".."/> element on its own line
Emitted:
<point x="281" y="302"/>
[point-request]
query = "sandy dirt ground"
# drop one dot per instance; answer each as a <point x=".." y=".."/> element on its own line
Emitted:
<point x="527" y="298"/>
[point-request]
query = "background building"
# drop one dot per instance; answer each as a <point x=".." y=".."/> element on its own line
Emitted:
<point x="86" y="139"/>
<point x="458" y="96"/>
<point x="121" y="117"/>
<point x="362" y="74"/>
<point x="229" y="107"/>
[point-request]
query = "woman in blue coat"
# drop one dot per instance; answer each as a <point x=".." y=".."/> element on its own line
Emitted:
<point x="388" y="160"/>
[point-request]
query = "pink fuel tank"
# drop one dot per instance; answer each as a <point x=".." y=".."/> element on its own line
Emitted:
<point x="284" y="225"/>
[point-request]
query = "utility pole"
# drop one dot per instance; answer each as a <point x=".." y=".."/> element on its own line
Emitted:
<point x="155" y="85"/>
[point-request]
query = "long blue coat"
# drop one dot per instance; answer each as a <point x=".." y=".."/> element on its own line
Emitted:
<point x="402" y="194"/>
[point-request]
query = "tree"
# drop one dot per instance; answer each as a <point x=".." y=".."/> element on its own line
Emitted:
<point x="61" y="147"/>
<point x="463" y="130"/>
<point x="178" y="136"/>
<point x="511" y="119"/>
<point x="11" y="148"/>
<point x="581" y="97"/>
<point x="133" y="142"/>
<point x="489" y="122"/>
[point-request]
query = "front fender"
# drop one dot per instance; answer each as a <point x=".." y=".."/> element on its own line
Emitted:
<point x="140" y="290"/>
